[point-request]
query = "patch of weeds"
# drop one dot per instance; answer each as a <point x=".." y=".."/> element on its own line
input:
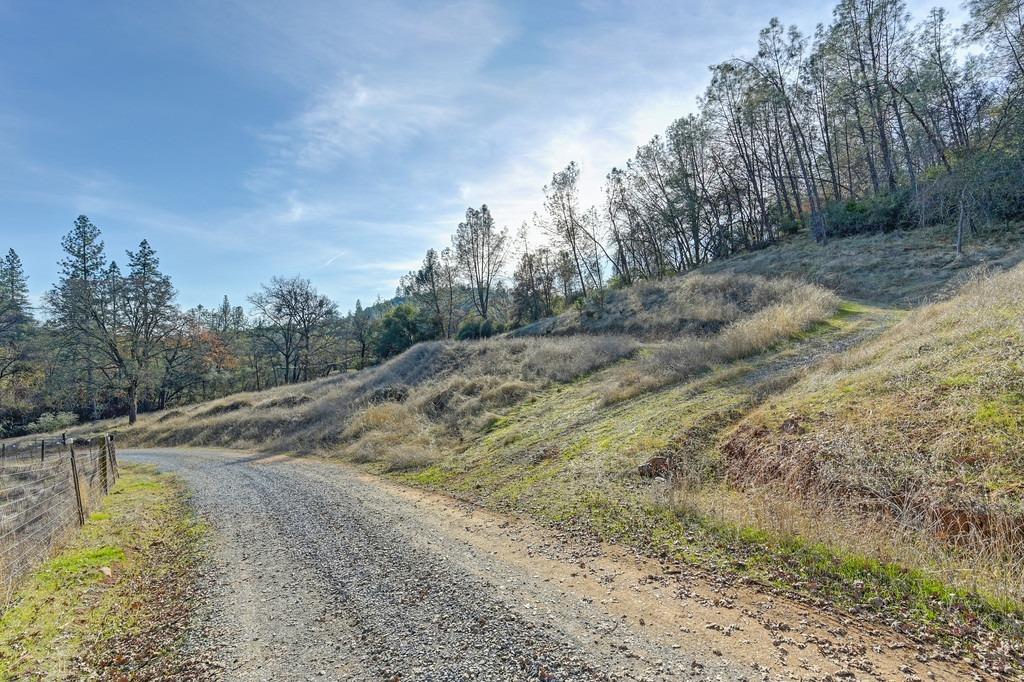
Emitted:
<point x="433" y="475"/>
<point x="1005" y="412"/>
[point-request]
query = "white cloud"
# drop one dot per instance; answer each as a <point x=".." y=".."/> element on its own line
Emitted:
<point x="354" y="119"/>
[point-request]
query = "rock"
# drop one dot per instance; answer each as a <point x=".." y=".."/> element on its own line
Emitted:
<point x="656" y="467"/>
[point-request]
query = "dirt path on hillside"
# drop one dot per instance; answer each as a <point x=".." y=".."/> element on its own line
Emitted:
<point x="321" y="572"/>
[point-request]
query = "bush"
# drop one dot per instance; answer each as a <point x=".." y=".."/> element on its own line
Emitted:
<point x="53" y="421"/>
<point x="475" y="328"/>
<point x="224" y="408"/>
<point x="880" y="213"/>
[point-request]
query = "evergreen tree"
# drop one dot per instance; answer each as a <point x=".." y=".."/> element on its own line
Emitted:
<point x="15" y="310"/>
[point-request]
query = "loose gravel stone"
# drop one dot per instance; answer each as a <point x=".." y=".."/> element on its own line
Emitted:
<point x="316" y="574"/>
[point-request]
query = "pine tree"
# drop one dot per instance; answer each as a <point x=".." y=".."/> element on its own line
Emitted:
<point x="15" y="316"/>
<point x="15" y="309"/>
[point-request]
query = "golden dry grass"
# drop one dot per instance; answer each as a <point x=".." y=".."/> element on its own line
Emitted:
<point x="914" y="438"/>
<point x="796" y="311"/>
<point x="845" y="452"/>
<point x="437" y="396"/>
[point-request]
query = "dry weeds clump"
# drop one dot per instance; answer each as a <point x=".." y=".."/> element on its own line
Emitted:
<point x="692" y="304"/>
<point x="287" y="401"/>
<point x="803" y="306"/>
<point x="223" y="407"/>
<point x="918" y="433"/>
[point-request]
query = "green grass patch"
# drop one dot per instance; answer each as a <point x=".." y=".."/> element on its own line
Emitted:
<point x="86" y="593"/>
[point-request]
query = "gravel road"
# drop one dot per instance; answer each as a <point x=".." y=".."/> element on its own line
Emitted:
<point x="322" y="572"/>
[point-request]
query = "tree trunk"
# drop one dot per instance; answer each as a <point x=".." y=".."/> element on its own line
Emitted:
<point x="133" y="403"/>
<point x="960" y="223"/>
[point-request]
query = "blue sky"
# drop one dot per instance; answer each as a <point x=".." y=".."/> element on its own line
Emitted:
<point x="336" y="140"/>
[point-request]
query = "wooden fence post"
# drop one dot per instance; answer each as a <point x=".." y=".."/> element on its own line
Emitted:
<point x="112" y="451"/>
<point x="78" y="489"/>
<point x="104" y="463"/>
<point x="42" y="449"/>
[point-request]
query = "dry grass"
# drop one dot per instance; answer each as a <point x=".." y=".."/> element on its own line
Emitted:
<point x="802" y="307"/>
<point x="433" y="393"/>
<point x="903" y="450"/>
<point x="902" y="269"/>
<point x="919" y="432"/>
<point x="989" y="565"/>
<point x="693" y="304"/>
<point x="438" y="396"/>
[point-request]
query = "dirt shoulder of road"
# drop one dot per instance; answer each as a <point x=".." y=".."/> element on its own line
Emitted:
<point x="117" y="601"/>
<point x="755" y="625"/>
<point x="751" y="624"/>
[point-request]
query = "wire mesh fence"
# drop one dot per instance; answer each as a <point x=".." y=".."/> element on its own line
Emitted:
<point x="47" y="488"/>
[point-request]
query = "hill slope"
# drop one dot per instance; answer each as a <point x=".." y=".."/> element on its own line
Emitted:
<point x="824" y="441"/>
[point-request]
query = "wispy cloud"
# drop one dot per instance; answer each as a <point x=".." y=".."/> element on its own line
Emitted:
<point x="355" y="119"/>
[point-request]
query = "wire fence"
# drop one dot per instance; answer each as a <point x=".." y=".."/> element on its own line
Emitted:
<point x="47" y="489"/>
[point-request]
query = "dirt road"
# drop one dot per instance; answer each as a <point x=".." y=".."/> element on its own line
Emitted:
<point x="321" y="572"/>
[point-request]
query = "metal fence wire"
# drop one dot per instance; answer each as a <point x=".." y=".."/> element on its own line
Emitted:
<point x="47" y="489"/>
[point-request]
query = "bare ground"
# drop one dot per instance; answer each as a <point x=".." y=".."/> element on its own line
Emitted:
<point x="319" y="571"/>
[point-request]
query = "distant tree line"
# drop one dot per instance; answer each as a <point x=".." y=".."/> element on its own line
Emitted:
<point x="870" y="124"/>
<point x="113" y="341"/>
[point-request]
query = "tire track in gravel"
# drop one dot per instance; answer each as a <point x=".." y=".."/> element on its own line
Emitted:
<point x="321" y="572"/>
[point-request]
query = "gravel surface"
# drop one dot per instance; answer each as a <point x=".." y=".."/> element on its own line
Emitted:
<point x="319" y="573"/>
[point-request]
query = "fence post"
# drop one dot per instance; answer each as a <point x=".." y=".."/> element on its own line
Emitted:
<point x="42" y="449"/>
<point x="78" y="489"/>
<point x="104" y="463"/>
<point x="112" y="451"/>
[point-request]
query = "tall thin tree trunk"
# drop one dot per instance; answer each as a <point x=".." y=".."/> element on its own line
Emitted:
<point x="133" y="402"/>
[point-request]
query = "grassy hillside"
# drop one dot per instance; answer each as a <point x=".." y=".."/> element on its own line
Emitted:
<point x="923" y="426"/>
<point x="818" y="435"/>
<point x="439" y="396"/>
<point x="900" y="268"/>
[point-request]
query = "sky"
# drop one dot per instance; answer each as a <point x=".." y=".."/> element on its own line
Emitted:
<point x="333" y="140"/>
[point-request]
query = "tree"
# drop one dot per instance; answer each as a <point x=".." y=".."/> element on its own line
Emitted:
<point x="399" y="330"/>
<point x="480" y="250"/>
<point x="116" y="324"/>
<point x="533" y="284"/>
<point x="294" y="319"/>
<point x="572" y="227"/>
<point x="435" y="288"/>
<point x="74" y="301"/>
<point x="359" y="330"/>
<point x="144" y="318"/>
<point x="15" y="316"/>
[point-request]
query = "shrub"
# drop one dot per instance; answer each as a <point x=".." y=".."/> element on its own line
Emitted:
<point x="286" y="401"/>
<point x="53" y="421"/>
<point x="224" y="408"/>
<point x="507" y="393"/>
<point x="407" y="458"/>
<point x="879" y="213"/>
<point x="476" y="328"/>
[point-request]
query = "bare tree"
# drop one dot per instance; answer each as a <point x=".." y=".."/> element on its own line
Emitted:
<point x="435" y="287"/>
<point x="294" y="319"/>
